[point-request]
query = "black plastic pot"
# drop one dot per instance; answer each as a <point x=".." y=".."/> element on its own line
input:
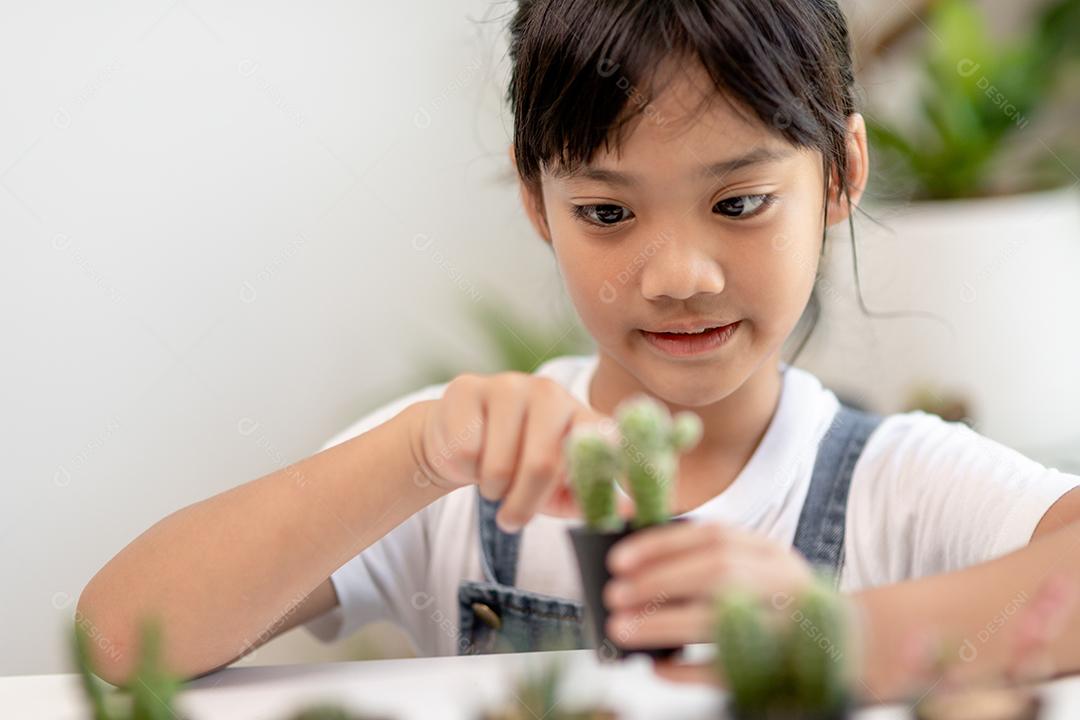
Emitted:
<point x="591" y="547"/>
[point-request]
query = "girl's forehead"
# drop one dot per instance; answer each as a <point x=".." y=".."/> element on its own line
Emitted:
<point x="688" y="120"/>
<point x="709" y="144"/>
<point x="683" y="98"/>
<point x="706" y="129"/>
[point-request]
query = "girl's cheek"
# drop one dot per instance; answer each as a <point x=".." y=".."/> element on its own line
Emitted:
<point x="593" y="285"/>
<point x="785" y="250"/>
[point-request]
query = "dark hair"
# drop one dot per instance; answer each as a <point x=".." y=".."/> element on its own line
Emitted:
<point x="583" y="69"/>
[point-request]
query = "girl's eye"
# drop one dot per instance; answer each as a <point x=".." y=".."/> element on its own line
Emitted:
<point x="744" y="206"/>
<point x="606" y="214"/>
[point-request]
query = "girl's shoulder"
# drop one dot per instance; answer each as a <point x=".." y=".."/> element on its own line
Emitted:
<point x="920" y="437"/>
<point x="913" y="436"/>
<point x="919" y="455"/>
<point x="930" y="495"/>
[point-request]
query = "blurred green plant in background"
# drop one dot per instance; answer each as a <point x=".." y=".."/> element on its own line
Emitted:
<point x="978" y="96"/>
<point x="512" y="343"/>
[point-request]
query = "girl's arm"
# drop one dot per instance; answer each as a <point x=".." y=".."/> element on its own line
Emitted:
<point x="984" y="612"/>
<point x="227" y="573"/>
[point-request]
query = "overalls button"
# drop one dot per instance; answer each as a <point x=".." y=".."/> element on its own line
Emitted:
<point x="489" y="616"/>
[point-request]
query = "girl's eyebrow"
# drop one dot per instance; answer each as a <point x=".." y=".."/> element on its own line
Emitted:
<point x="714" y="170"/>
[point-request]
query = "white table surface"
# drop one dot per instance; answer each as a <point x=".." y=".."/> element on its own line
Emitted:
<point x="445" y="687"/>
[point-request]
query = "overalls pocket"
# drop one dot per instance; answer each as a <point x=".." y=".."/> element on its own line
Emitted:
<point x="495" y="616"/>
<point x="499" y="618"/>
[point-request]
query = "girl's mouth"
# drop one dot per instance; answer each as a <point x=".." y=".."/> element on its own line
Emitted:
<point x="691" y="344"/>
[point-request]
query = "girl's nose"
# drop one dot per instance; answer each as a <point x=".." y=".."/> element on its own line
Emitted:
<point x="679" y="269"/>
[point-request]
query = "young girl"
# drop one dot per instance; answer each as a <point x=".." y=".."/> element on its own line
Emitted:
<point x="683" y="159"/>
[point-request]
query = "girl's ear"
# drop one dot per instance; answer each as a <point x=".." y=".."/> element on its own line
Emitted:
<point x="532" y="200"/>
<point x="858" y="170"/>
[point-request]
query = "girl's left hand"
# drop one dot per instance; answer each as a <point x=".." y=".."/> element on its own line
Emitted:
<point x="666" y="578"/>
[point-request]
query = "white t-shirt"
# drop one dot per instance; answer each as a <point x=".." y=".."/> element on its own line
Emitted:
<point x="927" y="496"/>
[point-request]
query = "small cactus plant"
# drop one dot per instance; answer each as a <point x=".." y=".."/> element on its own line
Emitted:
<point x="651" y="443"/>
<point x="152" y="691"/>
<point x="539" y="694"/>
<point x="150" y="695"/>
<point x="594" y="465"/>
<point x="640" y="448"/>
<point x="788" y="660"/>
<point x="645" y="450"/>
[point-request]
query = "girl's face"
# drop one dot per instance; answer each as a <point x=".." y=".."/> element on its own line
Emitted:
<point x="701" y="220"/>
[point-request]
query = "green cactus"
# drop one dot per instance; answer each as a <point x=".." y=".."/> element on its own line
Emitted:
<point x="593" y="466"/>
<point x="92" y="687"/>
<point x="817" y="649"/>
<point x="651" y="443"/>
<point x="540" y="693"/>
<point x="149" y="695"/>
<point x="788" y="660"/>
<point x="746" y="649"/>
<point x="646" y="453"/>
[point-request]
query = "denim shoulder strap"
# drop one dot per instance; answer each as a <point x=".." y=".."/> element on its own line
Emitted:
<point x="498" y="549"/>
<point x="819" y="535"/>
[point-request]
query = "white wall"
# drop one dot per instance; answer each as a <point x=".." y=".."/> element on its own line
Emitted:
<point x="210" y="216"/>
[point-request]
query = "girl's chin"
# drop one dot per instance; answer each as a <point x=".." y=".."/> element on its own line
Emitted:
<point x="694" y="396"/>
<point x="688" y="383"/>
<point x="687" y="386"/>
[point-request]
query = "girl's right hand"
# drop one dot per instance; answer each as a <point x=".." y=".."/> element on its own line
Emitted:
<point x="504" y="433"/>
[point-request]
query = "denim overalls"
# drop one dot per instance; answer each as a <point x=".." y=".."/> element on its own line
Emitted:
<point x="497" y="617"/>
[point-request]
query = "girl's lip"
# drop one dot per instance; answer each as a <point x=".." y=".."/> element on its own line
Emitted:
<point x="678" y="345"/>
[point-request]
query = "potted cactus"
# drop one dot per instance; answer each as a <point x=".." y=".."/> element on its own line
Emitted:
<point x="538" y="693"/>
<point x="644" y="454"/>
<point x="152" y="692"/>
<point x="786" y="660"/>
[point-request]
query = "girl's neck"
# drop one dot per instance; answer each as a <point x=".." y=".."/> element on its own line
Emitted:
<point x="733" y="426"/>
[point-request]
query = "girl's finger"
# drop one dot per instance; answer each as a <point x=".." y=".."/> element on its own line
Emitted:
<point x="561" y="502"/>
<point x="547" y="420"/>
<point x="505" y="414"/>
<point x="661" y="624"/>
<point x="692" y="574"/>
<point x="624" y="506"/>
<point x="915" y="671"/>
<point x="658" y="544"/>
<point x="654" y="543"/>
<point x="702" y="572"/>
<point x="457" y="439"/>
<point x="1041" y="622"/>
